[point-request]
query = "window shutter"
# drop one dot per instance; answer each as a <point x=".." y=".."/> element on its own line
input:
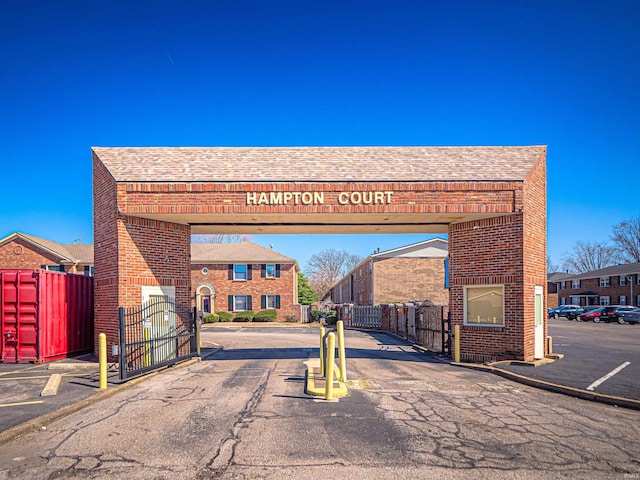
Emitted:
<point x="249" y="272"/>
<point x="446" y="273"/>
<point x="277" y="270"/>
<point x="249" y="306"/>
<point x="231" y="271"/>
<point x="263" y="270"/>
<point x="263" y="302"/>
<point x="277" y="301"/>
<point x="230" y="303"/>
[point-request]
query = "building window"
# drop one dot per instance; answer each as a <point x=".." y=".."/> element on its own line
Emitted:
<point x="605" y="282"/>
<point x="575" y="284"/>
<point x="53" y="268"/>
<point x="240" y="272"/>
<point x="563" y="301"/>
<point x="622" y="300"/>
<point x="563" y="285"/>
<point x="484" y="305"/>
<point x="238" y="303"/>
<point x="574" y="300"/>
<point x="270" y="301"/>
<point x="88" y="270"/>
<point x="638" y="301"/>
<point x="605" y="300"/>
<point x="623" y="280"/>
<point x="205" y="298"/>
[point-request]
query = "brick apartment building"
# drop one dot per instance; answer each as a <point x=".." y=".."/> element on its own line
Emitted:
<point x="22" y="251"/>
<point x="243" y="276"/>
<point x="414" y="272"/>
<point x="616" y="285"/>
<point x="224" y="277"/>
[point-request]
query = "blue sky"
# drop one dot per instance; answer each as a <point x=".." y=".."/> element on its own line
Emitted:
<point x="77" y="74"/>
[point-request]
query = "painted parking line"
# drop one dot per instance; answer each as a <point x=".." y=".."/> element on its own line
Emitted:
<point x="608" y="376"/>
<point x="20" y="403"/>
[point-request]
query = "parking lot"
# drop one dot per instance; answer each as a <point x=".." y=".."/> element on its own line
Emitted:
<point x="592" y="351"/>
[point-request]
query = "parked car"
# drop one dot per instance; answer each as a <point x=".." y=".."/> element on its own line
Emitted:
<point x="563" y="310"/>
<point x="631" y="317"/>
<point x="592" y="315"/>
<point x="574" y="314"/>
<point x="612" y="313"/>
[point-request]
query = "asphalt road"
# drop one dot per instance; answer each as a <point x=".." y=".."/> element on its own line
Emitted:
<point x="243" y="414"/>
<point x="591" y="352"/>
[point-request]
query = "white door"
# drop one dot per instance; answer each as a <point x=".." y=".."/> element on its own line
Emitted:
<point x="160" y="322"/>
<point x="539" y="328"/>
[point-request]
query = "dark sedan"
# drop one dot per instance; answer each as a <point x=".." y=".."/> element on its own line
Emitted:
<point x="614" y="312"/>
<point x="631" y="317"/>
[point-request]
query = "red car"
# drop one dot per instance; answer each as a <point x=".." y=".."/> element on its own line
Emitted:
<point x="593" y="315"/>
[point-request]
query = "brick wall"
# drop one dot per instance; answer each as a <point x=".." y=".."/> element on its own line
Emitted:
<point x="398" y="280"/>
<point x="20" y="254"/>
<point x="217" y="276"/>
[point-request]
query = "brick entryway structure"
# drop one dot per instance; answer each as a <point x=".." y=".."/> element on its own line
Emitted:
<point x="491" y="201"/>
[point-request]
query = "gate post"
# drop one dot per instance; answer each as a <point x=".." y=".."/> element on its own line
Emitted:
<point x="121" y="353"/>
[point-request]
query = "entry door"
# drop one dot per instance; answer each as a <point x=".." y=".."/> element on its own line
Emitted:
<point x="161" y="321"/>
<point x="539" y="328"/>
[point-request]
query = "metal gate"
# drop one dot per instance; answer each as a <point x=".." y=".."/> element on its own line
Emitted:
<point x="157" y="333"/>
<point x="433" y="327"/>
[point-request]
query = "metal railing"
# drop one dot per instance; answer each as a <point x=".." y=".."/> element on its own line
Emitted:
<point x="155" y="334"/>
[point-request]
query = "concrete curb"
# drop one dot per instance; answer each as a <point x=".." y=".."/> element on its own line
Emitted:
<point x="48" y="418"/>
<point x="554" y="387"/>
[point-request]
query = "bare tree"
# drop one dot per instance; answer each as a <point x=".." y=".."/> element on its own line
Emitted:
<point x="552" y="267"/>
<point x="219" y="238"/>
<point x="589" y="256"/>
<point x="328" y="266"/>
<point x="626" y="236"/>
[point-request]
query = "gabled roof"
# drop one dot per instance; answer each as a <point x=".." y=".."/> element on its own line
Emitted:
<point x="318" y="164"/>
<point x="63" y="252"/>
<point x="557" y="276"/>
<point x="243" y="252"/>
<point x="615" y="270"/>
<point x="433" y="248"/>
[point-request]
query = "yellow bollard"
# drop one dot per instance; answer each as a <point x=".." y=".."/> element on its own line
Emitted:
<point x="456" y="343"/>
<point x="331" y="353"/>
<point x="322" y="351"/>
<point x="342" y="359"/>
<point x="147" y="358"/>
<point x="102" y="356"/>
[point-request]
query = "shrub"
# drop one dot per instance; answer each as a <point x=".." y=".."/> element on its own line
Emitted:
<point x="266" y="316"/>
<point x="291" y="319"/>
<point x="211" y="318"/>
<point x="316" y="314"/>
<point x="244" y="316"/>
<point x="225" y="316"/>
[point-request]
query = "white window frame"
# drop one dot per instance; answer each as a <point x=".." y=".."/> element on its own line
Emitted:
<point x="623" y="280"/>
<point x="604" y="282"/>
<point x="622" y="300"/>
<point x="638" y="301"/>
<point x="575" y="284"/>
<point x="479" y="322"/>
<point x="235" y="303"/>
<point x="605" y="300"/>
<point x="270" y="302"/>
<point x="563" y="285"/>
<point x="266" y="270"/>
<point x="563" y="301"/>
<point x="235" y="273"/>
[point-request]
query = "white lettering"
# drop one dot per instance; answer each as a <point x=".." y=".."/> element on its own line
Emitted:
<point x="307" y="198"/>
<point x="263" y="200"/>
<point x="343" y="198"/>
<point x="251" y="198"/>
<point x="318" y="198"/>
<point x="275" y="198"/>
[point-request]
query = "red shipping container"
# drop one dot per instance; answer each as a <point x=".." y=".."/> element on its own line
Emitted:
<point x="44" y="315"/>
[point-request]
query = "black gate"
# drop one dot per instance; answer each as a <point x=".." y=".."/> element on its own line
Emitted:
<point x="433" y="328"/>
<point x="157" y="333"/>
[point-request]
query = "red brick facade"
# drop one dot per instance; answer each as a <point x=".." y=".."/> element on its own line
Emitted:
<point x="20" y="254"/>
<point x="496" y="227"/>
<point x="394" y="280"/>
<point x="217" y="277"/>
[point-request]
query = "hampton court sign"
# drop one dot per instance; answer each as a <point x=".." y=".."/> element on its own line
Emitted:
<point x="317" y="198"/>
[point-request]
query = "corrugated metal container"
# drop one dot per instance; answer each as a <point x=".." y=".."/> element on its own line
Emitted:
<point x="44" y="315"/>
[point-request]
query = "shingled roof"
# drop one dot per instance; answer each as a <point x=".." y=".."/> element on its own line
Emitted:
<point x="318" y="164"/>
<point x="82" y="253"/>
<point x="243" y="252"/>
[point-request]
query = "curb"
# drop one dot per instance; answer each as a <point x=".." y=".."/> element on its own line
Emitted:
<point x="43" y="420"/>
<point x="554" y="387"/>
